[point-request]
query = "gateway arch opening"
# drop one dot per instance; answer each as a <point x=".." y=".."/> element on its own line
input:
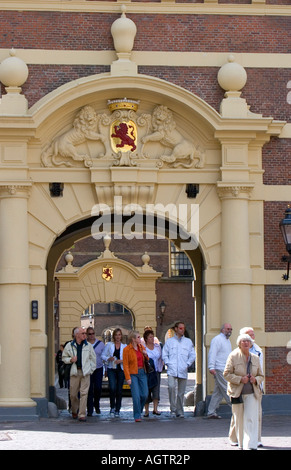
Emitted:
<point x="104" y="318"/>
<point x="177" y="292"/>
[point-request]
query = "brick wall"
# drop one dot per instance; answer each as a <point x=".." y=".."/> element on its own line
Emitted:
<point x="276" y="161"/>
<point x="278" y="308"/>
<point x="277" y="301"/>
<point x="273" y="241"/>
<point x="91" y="31"/>
<point x="278" y="371"/>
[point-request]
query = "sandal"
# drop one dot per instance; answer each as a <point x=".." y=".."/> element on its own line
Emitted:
<point x="156" y="413"/>
<point x="146" y="415"/>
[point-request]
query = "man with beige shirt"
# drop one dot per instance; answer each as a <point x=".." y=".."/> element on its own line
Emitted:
<point x="81" y="355"/>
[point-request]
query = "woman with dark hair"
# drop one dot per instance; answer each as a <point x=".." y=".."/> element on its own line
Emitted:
<point x="113" y="356"/>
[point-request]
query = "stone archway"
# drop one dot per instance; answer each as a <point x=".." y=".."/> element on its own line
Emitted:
<point x="107" y="279"/>
<point x="32" y="219"/>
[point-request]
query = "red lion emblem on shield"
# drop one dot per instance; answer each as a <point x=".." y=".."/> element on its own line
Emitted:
<point x="126" y="134"/>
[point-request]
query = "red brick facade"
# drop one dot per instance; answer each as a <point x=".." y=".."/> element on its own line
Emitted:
<point x="278" y="371"/>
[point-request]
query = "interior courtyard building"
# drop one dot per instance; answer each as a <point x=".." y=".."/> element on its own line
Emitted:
<point x="145" y="152"/>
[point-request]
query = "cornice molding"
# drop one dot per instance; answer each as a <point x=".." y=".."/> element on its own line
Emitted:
<point x="164" y="7"/>
<point x="150" y="58"/>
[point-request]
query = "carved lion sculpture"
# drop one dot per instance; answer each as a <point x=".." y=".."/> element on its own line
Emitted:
<point x="84" y="128"/>
<point x="165" y="133"/>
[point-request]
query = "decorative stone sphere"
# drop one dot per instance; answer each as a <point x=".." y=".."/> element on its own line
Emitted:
<point x="13" y="71"/>
<point x="69" y="258"/>
<point x="232" y="76"/>
<point x="123" y="31"/>
<point x="145" y="258"/>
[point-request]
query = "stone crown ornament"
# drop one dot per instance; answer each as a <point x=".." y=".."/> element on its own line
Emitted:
<point x="124" y="103"/>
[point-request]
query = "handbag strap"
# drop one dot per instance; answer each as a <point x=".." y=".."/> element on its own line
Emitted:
<point x="249" y="365"/>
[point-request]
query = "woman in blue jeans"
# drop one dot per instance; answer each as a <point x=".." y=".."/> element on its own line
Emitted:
<point x="113" y="355"/>
<point x="134" y="356"/>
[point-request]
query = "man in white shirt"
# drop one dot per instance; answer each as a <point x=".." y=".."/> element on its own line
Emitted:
<point x="178" y="354"/>
<point x="220" y="348"/>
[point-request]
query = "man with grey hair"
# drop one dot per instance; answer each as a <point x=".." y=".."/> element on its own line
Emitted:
<point x="80" y="354"/>
<point x="220" y="348"/>
<point x="255" y="349"/>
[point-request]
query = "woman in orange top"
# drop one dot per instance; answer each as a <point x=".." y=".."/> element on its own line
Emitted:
<point x="135" y="375"/>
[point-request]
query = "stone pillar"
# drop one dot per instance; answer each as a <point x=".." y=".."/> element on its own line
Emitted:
<point x="14" y="302"/>
<point x="236" y="274"/>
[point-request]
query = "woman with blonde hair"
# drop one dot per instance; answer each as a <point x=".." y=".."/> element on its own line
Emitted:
<point x="113" y="356"/>
<point x="134" y="356"/>
<point x="244" y="375"/>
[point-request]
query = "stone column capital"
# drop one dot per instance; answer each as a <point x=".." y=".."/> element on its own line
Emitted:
<point x="10" y="189"/>
<point x="234" y="190"/>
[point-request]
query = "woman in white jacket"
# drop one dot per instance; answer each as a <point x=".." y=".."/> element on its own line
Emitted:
<point x="113" y="356"/>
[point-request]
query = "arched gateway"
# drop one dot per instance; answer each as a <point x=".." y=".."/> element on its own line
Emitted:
<point x="148" y="151"/>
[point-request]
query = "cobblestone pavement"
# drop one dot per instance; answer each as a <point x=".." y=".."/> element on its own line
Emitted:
<point x="155" y="434"/>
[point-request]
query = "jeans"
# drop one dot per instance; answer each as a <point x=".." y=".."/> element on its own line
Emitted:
<point x="95" y="389"/>
<point x="115" y="379"/>
<point x="139" y="392"/>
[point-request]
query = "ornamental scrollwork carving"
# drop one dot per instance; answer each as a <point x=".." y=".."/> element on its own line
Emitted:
<point x="124" y="138"/>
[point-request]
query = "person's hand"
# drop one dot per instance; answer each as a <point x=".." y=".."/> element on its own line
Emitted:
<point x="253" y="379"/>
<point x="74" y="359"/>
<point x="128" y="382"/>
<point x="212" y="371"/>
<point x="245" y="379"/>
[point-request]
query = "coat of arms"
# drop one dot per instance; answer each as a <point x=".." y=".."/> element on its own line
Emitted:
<point x="123" y="136"/>
<point x="107" y="273"/>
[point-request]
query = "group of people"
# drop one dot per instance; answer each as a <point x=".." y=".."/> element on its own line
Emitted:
<point x="238" y="375"/>
<point x="139" y="363"/>
<point x="239" y="379"/>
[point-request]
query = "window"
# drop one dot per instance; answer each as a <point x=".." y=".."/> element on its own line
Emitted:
<point x="180" y="264"/>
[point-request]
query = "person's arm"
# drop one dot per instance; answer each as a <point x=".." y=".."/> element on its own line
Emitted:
<point x="92" y="358"/>
<point x="67" y="356"/>
<point x="165" y="354"/>
<point x="229" y="373"/>
<point x="192" y="356"/>
<point x="212" y="355"/>
<point x="126" y="366"/>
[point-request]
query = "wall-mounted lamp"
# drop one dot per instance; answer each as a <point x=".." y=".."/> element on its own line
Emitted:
<point x="285" y="226"/>
<point x="56" y="189"/>
<point x="162" y="307"/>
<point x="192" y="190"/>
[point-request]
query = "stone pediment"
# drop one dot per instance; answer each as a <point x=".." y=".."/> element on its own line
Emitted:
<point x="123" y="137"/>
